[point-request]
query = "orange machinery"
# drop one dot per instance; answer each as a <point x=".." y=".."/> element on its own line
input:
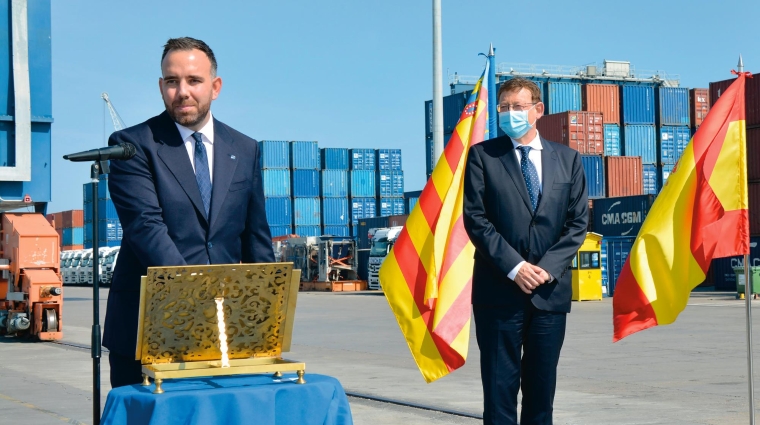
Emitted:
<point x="31" y="290"/>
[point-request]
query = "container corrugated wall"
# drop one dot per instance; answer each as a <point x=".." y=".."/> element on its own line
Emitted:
<point x="276" y="182"/>
<point x="106" y="210"/>
<point x="723" y="274"/>
<point x="306" y="183"/>
<point x="280" y="231"/>
<point x="362" y="159"/>
<point x="337" y="231"/>
<point x="278" y="211"/>
<point x="390" y="184"/>
<point x="623" y="176"/>
<point x="391" y="206"/>
<point x="389" y="159"/>
<point x="72" y="218"/>
<point x="754" y="208"/>
<point x="612" y="145"/>
<point x="673" y="105"/>
<point x="335" y="183"/>
<point x="593" y="165"/>
<point x="673" y="141"/>
<point x="72" y="236"/>
<point x="699" y="105"/>
<point x="562" y="96"/>
<point x="637" y="104"/>
<point x="753" y="154"/>
<point x="274" y="154"/>
<point x="579" y="130"/>
<point x="334" y="158"/>
<point x="363" y="183"/>
<point x="109" y="233"/>
<point x="103" y="192"/>
<point x="617" y="250"/>
<point x="604" y="98"/>
<point x="306" y="212"/>
<point x="650" y="177"/>
<point x="304" y="155"/>
<point x="640" y="140"/>
<point x="335" y="211"/>
<point x="362" y="208"/>
<point x="304" y="231"/>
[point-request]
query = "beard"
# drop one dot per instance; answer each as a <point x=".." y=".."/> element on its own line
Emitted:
<point x="189" y="119"/>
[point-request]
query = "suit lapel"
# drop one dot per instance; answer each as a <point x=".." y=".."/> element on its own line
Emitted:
<point x="174" y="154"/>
<point x="225" y="163"/>
<point x="509" y="160"/>
<point x="548" y="171"/>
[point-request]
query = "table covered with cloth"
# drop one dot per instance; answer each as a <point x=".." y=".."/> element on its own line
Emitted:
<point x="229" y="400"/>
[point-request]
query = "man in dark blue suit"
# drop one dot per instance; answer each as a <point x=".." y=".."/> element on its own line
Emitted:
<point x="192" y="194"/>
<point x="526" y="212"/>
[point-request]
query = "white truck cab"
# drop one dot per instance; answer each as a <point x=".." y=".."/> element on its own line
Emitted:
<point x="380" y="245"/>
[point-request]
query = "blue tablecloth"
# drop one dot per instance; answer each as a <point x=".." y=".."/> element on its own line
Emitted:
<point x="230" y="400"/>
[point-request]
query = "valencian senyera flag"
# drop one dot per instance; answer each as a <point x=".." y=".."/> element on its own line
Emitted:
<point x="700" y="214"/>
<point x="427" y="277"/>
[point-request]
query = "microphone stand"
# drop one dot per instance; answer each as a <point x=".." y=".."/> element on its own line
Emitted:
<point x="96" y="170"/>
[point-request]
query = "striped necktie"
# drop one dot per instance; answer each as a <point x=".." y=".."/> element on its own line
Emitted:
<point x="202" y="174"/>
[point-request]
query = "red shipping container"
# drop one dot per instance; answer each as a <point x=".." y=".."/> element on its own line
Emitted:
<point x="58" y="217"/>
<point x="699" y="105"/>
<point x="580" y="130"/>
<point x="624" y="176"/>
<point x="753" y="154"/>
<point x="604" y="98"/>
<point x="72" y="247"/>
<point x="73" y="218"/>
<point x="397" y="220"/>
<point x="754" y="209"/>
<point x="751" y="98"/>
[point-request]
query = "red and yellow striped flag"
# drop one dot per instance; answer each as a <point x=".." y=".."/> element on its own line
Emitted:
<point x="700" y="214"/>
<point x="427" y="277"/>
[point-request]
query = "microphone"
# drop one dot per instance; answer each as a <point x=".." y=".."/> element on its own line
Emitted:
<point x="121" y="151"/>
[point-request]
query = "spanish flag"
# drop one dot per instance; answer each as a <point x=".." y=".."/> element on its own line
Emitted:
<point x="700" y="214"/>
<point x="427" y="276"/>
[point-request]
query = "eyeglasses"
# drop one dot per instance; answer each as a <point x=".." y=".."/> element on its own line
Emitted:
<point x="516" y="107"/>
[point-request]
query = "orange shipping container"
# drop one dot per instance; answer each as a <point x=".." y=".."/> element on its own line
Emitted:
<point x="624" y="176"/>
<point x="58" y="217"/>
<point x="397" y="220"/>
<point x="73" y="218"/>
<point x="699" y="105"/>
<point x="604" y="98"/>
<point x="72" y="247"/>
<point x="753" y="154"/>
<point x="582" y="131"/>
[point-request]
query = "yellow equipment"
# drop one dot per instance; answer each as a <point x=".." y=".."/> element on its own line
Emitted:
<point x="587" y="269"/>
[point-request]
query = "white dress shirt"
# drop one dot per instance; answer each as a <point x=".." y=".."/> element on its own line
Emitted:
<point x="535" y="157"/>
<point x="207" y="133"/>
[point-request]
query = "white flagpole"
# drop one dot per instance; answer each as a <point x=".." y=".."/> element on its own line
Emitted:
<point x="437" y="84"/>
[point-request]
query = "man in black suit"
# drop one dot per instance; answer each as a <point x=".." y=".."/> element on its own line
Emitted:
<point x="192" y="194"/>
<point x="526" y="211"/>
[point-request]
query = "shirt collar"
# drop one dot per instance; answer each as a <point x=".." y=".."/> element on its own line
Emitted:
<point x="207" y="130"/>
<point x="535" y="143"/>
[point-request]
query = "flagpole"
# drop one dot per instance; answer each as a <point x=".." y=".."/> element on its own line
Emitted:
<point x="437" y="84"/>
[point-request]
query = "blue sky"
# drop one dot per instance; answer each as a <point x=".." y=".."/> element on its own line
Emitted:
<point x="356" y="73"/>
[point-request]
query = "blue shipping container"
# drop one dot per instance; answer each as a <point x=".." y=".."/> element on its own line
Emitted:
<point x="593" y="166"/>
<point x="305" y="183"/>
<point x="391" y="206"/>
<point x="621" y="216"/>
<point x="106" y="210"/>
<point x="453" y="105"/>
<point x="389" y="159"/>
<point x="612" y="145"/>
<point x="274" y="154"/>
<point x="304" y="231"/>
<point x="276" y="231"/>
<point x="362" y="159"/>
<point x="73" y="236"/>
<point x="651" y="179"/>
<point x="335" y="211"/>
<point x="673" y="106"/>
<point x="304" y="155"/>
<point x="103" y="192"/>
<point x="306" y="212"/>
<point x="362" y="208"/>
<point x="617" y="250"/>
<point x="334" y="158"/>
<point x="637" y="104"/>
<point x="724" y="278"/>
<point x="562" y="97"/>
<point x="673" y="141"/>
<point x="276" y="182"/>
<point x="363" y="183"/>
<point x="103" y="243"/>
<point x="279" y="211"/>
<point x="335" y="183"/>
<point x="410" y="203"/>
<point x="108" y="230"/>
<point x="361" y="231"/>
<point x="390" y="184"/>
<point x="640" y="140"/>
<point x="337" y="231"/>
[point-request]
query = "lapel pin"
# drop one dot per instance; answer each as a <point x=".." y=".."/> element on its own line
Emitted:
<point x="232" y="156"/>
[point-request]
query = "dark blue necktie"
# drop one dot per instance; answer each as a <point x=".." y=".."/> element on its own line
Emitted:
<point x="202" y="174"/>
<point x="530" y="175"/>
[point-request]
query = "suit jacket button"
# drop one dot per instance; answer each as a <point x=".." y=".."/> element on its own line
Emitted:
<point x="533" y="223"/>
<point x="210" y="245"/>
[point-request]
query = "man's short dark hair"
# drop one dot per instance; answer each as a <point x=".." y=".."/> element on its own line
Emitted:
<point x="189" y="43"/>
<point x="518" y="83"/>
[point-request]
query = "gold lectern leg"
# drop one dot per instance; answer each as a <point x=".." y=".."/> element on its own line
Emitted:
<point x="300" y="379"/>
<point x="158" y="389"/>
<point x="146" y="381"/>
<point x="277" y="374"/>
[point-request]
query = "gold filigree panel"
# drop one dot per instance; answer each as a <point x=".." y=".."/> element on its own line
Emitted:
<point x="178" y="320"/>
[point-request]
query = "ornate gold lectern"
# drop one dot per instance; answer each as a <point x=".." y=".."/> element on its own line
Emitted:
<point x="178" y="331"/>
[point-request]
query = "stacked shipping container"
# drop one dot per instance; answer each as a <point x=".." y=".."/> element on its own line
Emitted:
<point x="276" y="178"/>
<point x="70" y="227"/>
<point x="336" y="217"/>
<point x="109" y="227"/>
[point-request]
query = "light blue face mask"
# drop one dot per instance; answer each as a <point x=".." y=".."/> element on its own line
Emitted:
<point x="515" y="123"/>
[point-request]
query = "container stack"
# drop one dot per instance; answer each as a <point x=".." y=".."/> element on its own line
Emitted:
<point x="411" y="199"/>
<point x="674" y="129"/>
<point x="305" y="165"/>
<point x="363" y="185"/>
<point x="275" y="175"/>
<point x="390" y="183"/>
<point x="336" y="217"/>
<point x="723" y="268"/>
<point x="69" y="225"/>
<point x="109" y="227"/>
